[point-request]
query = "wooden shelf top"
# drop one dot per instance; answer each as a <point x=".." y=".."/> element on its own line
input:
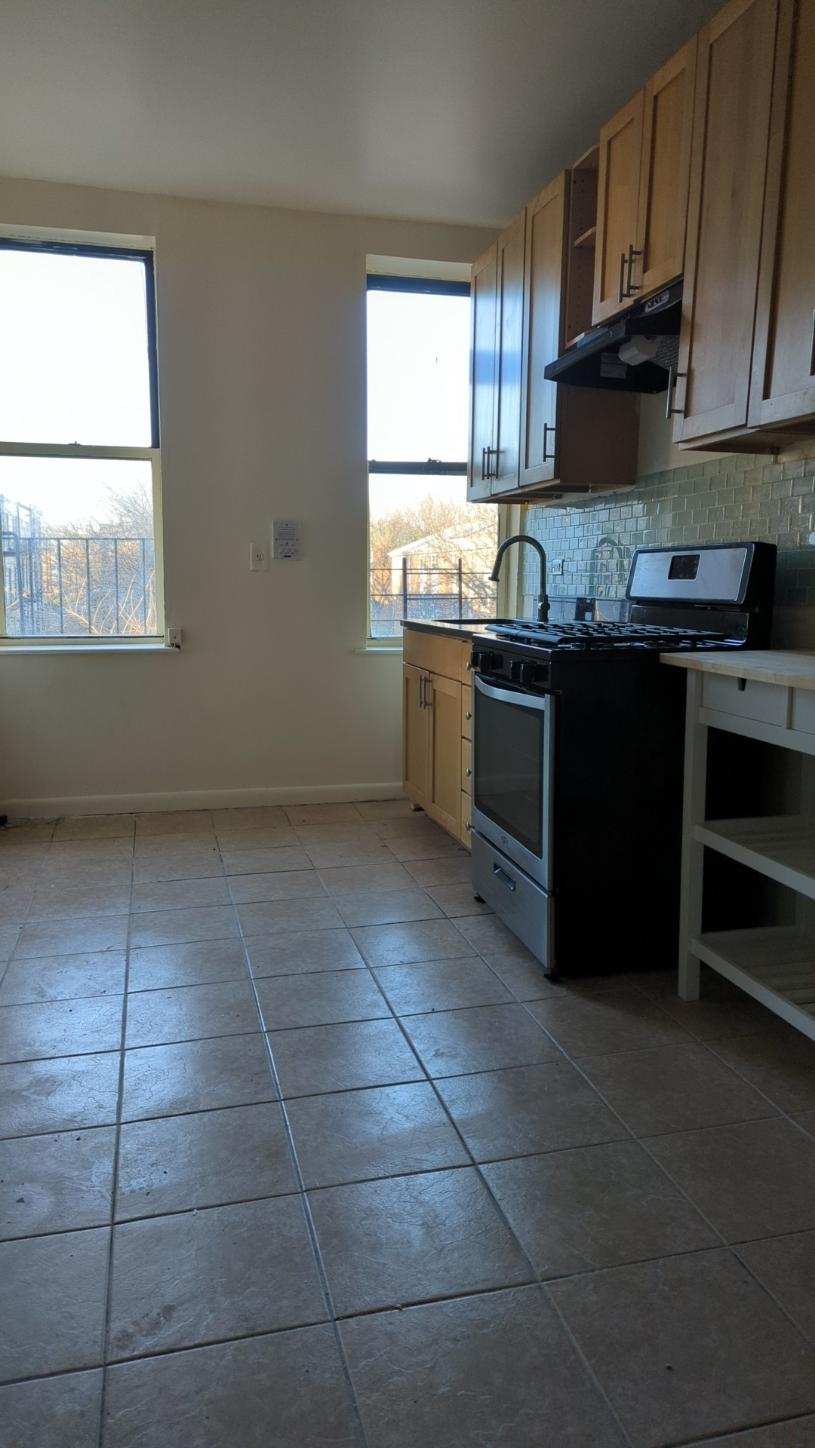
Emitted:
<point x="795" y="670"/>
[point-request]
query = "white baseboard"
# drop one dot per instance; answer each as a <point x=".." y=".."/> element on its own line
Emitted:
<point x="89" y="804"/>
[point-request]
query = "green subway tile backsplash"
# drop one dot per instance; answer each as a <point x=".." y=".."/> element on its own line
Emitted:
<point x="589" y="545"/>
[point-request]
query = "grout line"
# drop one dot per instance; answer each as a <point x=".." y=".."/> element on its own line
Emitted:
<point x="114" y="1184"/>
<point x="724" y="1243"/>
<point x="307" y="1214"/>
<point x="502" y="1216"/>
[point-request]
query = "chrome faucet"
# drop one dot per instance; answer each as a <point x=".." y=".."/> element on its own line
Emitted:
<point x="543" y="602"/>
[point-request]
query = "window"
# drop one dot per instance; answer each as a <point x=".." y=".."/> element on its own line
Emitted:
<point x="430" y="551"/>
<point x="79" y="445"/>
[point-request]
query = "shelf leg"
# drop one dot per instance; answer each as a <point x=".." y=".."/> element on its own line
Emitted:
<point x="693" y="854"/>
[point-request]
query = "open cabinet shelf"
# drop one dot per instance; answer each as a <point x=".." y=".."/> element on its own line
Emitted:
<point x="775" y="965"/>
<point x="782" y="847"/>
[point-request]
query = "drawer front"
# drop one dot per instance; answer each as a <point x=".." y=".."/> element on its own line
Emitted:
<point x="803" y="710"/>
<point x="466" y="766"/>
<point x="467" y="713"/>
<point x="517" y="900"/>
<point x="438" y="655"/>
<point x="746" y="698"/>
<point x="466" y="819"/>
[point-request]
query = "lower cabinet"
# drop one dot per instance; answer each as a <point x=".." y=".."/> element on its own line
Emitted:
<point x="415" y="736"/>
<point x="433" y="715"/>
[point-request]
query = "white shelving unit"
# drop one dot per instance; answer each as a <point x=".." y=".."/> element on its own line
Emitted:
<point x="776" y="965"/>
<point x="781" y="847"/>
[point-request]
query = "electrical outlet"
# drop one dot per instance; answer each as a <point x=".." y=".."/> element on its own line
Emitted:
<point x="258" y="558"/>
<point x="174" y="637"/>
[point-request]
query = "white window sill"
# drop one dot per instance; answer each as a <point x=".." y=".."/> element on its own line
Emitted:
<point x="384" y="647"/>
<point x="9" y="650"/>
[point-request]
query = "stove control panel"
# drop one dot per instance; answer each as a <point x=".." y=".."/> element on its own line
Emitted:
<point x="529" y="673"/>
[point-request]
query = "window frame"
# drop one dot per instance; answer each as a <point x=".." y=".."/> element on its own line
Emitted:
<point x="428" y="467"/>
<point x="125" y="251"/>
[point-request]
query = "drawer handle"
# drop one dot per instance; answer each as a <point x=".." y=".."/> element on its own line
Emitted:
<point x="504" y="877"/>
<point x="621" y="287"/>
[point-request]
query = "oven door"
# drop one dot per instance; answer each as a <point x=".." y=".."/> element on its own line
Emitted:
<point x="513" y="771"/>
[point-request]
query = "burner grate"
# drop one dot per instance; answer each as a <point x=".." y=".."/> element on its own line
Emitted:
<point x="610" y="636"/>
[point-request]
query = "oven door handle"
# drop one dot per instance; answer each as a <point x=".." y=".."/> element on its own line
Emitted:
<point x="512" y="696"/>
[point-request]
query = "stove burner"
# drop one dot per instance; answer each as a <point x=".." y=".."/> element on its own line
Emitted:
<point x="609" y="637"/>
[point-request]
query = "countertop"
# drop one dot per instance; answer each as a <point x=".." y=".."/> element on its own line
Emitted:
<point x="768" y="666"/>
<point x="457" y="629"/>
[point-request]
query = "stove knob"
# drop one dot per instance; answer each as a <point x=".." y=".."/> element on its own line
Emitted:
<point x="486" y="661"/>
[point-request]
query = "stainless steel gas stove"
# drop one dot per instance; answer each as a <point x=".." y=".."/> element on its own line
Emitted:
<point x="577" y="757"/>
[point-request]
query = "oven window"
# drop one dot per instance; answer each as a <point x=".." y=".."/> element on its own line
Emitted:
<point x="509" y="769"/>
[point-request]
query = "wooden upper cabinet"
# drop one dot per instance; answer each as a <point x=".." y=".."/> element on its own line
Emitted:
<point x="642" y="190"/>
<point x="783" y="376"/>
<point x="483" y="364"/>
<point x="617" y="208"/>
<point x="731" y="124"/>
<point x="543" y="304"/>
<point x="509" y="331"/>
<point x="664" y="173"/>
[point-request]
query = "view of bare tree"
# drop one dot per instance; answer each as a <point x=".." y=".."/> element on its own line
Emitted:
<point x="95" y="577"/>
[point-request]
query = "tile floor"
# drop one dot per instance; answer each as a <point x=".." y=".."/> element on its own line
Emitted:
<point x="300" y="1148"/>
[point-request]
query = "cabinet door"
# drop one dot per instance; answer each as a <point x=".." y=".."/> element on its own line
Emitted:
<point x="728" y="162"/>
<point x="543" y="297"/>
<point x="483" y="362"/>
<point x="783" y="381"/>
<point x="618" y="184"/>
<point x="415" y="734"/>
<point x="665" y="173"/>
<point x="444" y="796"/>
<point x="510" y="293"/>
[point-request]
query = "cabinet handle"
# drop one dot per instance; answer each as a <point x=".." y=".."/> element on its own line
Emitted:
<point x="812" y="353"/>
<point x="483" y="464"/>
<point x="504" y="877"/>
<point x="423" y="691"/>
<point x="467" y="773"/>
<point x="621" y="288"/>
<point x="467" y="714"/>
<point x="468" y="827"/>
<point x="490" y="473"/>
<point x="631" y="287"/>
<point x="673" y="411"/>
<point x="547" y="428"/>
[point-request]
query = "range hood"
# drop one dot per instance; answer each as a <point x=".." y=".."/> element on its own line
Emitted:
<point x="648" y="334"/>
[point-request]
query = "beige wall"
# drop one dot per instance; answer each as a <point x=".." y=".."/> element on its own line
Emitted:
<point x="261" y="367"/>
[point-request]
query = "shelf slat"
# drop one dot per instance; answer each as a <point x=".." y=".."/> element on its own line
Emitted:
<point x="781" y="847"/>
<point x="764" y="963"/>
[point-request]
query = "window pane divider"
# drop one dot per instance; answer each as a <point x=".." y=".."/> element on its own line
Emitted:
<point x="75" y="450"/>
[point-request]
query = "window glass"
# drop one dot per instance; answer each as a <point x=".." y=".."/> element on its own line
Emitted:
<point x="417" y="376"/>
<point x="74" y="359"/>
<point x="78" y="549"/>
<point x="430" y="551"/>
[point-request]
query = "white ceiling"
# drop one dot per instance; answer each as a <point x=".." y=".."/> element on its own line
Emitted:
<point x="452" y="110"/>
